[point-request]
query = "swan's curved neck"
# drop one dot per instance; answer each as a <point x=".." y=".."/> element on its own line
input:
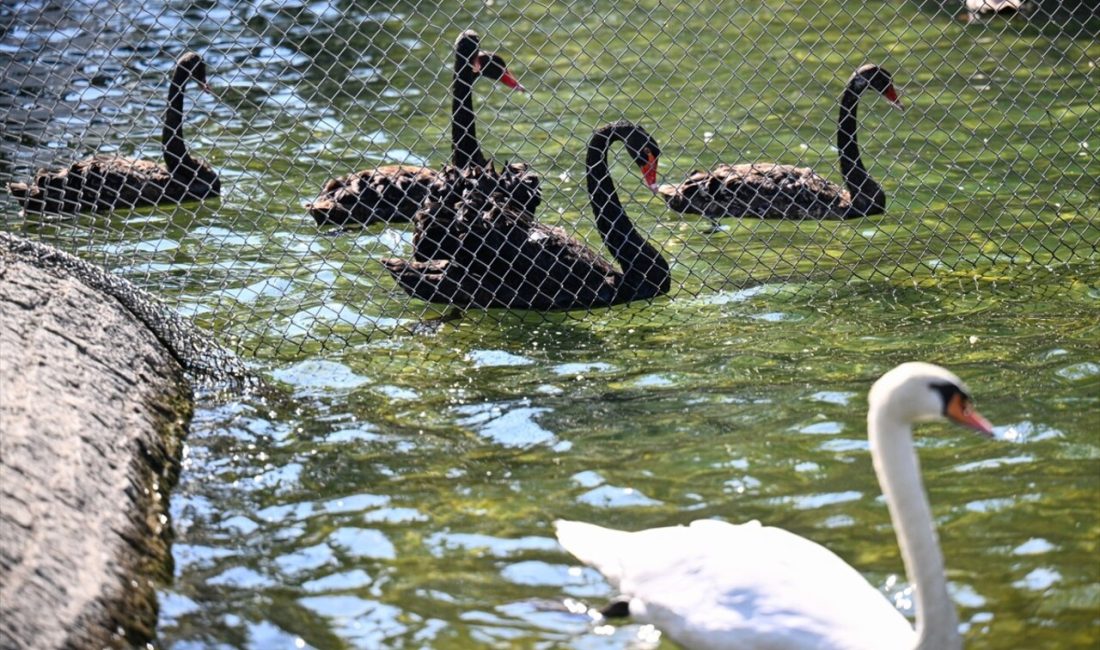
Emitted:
<point x="466" y="149"/>
<point x="867" y="196"/>
<point x="898" y="472"/>
<point x="645" y="271"/>
<point x="176" y="157"/>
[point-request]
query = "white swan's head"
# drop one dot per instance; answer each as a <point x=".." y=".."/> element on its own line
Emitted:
<point x="921" y="392"/>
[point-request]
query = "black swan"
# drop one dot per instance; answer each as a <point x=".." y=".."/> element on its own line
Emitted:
<point x="109" y="182"/>
<point x="774" y="191"/>
<point x="474" y="248"/>
<point x="394" y="193"/>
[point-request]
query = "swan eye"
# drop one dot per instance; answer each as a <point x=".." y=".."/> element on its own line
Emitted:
<point x="947" y="392"/>
<point x="960" y="410"/>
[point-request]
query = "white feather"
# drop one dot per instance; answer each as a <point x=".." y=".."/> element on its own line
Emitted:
<point x="716" y="586"/>
<point x="719" y="585"/>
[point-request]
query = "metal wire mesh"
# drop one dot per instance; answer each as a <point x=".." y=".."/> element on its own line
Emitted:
<point x="991" y="170"/>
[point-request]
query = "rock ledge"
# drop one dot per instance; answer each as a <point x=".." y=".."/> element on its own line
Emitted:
<point x="93" y="409"/>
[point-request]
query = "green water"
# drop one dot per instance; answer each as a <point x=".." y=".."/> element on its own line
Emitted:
<point x="397" y="489"/>
<point x="402" y="497"/>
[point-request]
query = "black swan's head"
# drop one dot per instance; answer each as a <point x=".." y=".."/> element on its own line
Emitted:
<point x="878" y="79"/>
<point x="468" y="52"/>
<point x="467" y="45"/>
<point x="191" y="66"/>
<point x="491" y="65"/>
<point x="642" y="148"/>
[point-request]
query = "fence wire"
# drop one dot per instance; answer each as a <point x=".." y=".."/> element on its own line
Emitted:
<point x="345" y="190"/>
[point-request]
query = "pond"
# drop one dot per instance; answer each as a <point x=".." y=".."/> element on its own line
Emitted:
<point x="397" y="487"/>
<point x="402" y="494"/>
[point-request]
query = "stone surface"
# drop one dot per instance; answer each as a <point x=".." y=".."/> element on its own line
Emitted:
<point x="92" y="413"/>
<point x="207" y="362"/>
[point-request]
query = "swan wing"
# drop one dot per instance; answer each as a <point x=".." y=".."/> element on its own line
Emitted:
<point x="765" y="190"/>
<point x="719" y="585"/>
<point x="391" y="193"/>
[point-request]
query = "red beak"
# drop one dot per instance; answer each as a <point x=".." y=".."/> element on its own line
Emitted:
<point x="891" y="95"/>
<point x="508" y="80"/>
<point x="649" y="172"/>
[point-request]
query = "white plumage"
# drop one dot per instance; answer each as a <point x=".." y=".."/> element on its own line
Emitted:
<point x="994" y="6"/>
<point x="715" y="585"/>
<point x="979" y="9"/>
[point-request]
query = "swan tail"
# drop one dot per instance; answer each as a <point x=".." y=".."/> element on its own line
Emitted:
<point x="24" y="194"/>
<point x="323" y="211"/>
<point x="19" y="190"/>
<point x="344" y="201"/>
<point x="596" y="546"/>
<point x="430" y="281"/>
<point x="677" y="199"/>
<point x="668" y="190"/>
<point x="391" y="194"/>
<point x="33" y="197"/>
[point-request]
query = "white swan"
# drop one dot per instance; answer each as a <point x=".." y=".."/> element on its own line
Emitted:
<point x="976" y="9"/>
<point x="715" y="585"/>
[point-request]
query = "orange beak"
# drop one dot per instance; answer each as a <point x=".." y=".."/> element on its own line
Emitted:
<point x="960" y="411"/>
<point x="649" y="172"/>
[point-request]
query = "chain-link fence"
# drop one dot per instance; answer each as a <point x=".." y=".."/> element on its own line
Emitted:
<point x="280" y="236"/>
